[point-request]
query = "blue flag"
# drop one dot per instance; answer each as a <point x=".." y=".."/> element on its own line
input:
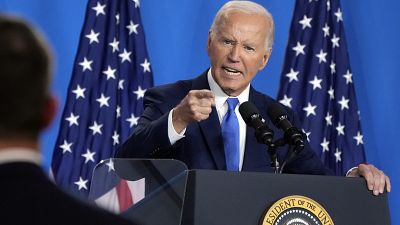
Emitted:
<point x="105" y="96"/>
<point x="316" y="82"/>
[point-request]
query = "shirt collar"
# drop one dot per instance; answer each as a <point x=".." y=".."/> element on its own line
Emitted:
<point x="9" y="155"/>
<point x="221" y="96"/>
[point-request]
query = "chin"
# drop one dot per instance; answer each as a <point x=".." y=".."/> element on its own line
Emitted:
<point x="230" y="91"/>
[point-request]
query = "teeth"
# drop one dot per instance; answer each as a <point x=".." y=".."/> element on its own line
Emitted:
<point x="230" y="70"/>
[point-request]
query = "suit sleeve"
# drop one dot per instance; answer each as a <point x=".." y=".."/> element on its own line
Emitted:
<point x="306" y="162"/>
<point x="150" y="138"/>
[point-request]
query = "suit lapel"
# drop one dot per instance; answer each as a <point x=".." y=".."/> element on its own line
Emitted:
<point x="211" y="128"/>
<point x="255" y="155"/>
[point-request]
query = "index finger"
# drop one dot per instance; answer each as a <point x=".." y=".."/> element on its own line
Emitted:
<point x="204" y="94"/>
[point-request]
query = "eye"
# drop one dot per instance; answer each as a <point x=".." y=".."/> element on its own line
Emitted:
<point x="228" y="42"/>
<point x="249" y="49"/>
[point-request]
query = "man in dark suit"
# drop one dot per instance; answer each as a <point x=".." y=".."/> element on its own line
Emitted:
<point x="188" y="120"/>
<point x="27" y="196"/>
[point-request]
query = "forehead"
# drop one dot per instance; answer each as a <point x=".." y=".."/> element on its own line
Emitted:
<point x="242" y="25"/>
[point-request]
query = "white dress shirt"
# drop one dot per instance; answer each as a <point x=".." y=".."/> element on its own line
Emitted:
<point x="222" y="107"/>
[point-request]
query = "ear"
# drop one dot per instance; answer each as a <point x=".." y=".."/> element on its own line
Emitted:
<point x="265" y="58"/>
<point x="208" y="43"/>
<point x="49" y="111"/>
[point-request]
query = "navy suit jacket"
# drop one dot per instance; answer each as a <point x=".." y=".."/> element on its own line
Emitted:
<point x="202" y="147"/>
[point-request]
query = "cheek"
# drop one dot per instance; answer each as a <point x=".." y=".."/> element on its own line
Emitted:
<point x="253" y="65"/>
<point x="258" y="64"/>
<point x="216" y="55"/>
<point x="220" y="52"/>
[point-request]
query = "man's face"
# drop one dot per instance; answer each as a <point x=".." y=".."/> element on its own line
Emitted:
<point x="238" y="51"/>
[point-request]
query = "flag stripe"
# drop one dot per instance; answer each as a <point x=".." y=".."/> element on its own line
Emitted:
<point x="124" y="195"/>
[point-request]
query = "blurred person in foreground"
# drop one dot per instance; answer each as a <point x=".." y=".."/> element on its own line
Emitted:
<point x="27" y="195"/>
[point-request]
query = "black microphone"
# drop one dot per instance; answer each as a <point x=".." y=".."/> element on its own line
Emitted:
<point x="252" y="117"/>
<point x="292" y="135"/>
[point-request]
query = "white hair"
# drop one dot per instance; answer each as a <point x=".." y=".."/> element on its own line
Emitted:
<point x="247" y="7"/>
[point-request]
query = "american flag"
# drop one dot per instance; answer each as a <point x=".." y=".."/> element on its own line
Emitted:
<point x="111" y="192"/>
<point x="105" y="96"/>
<point x="317" y="83"/>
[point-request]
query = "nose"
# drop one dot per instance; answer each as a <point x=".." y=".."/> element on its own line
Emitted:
<point x="234" y="53"/>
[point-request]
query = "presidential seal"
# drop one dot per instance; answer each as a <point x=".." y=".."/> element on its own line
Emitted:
<point x="296" y="210"/>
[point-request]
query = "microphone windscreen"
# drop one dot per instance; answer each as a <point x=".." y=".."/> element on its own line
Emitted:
<point x="247" y="109"/>
<point x="275" y="111"/>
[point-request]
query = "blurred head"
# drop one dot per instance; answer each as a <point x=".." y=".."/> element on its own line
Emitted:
<point x="239" y="44"/>
<point x="26" y="105"/>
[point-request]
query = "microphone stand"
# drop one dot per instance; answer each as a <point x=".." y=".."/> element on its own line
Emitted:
<point x="291" y="155"/>
<point x="292" y="137"/>
<point x="272" y="149"/>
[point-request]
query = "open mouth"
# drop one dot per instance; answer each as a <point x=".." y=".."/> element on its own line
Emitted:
<point x="231" y="71"/>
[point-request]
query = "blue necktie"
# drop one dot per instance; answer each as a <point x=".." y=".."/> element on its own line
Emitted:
<point x="230" y="134"/>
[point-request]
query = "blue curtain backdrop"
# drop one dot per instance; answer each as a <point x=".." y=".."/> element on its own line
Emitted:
<point x="176" y="32"/>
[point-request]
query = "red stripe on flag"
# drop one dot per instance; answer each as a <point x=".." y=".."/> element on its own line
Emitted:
<point x="124" y="194"/>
